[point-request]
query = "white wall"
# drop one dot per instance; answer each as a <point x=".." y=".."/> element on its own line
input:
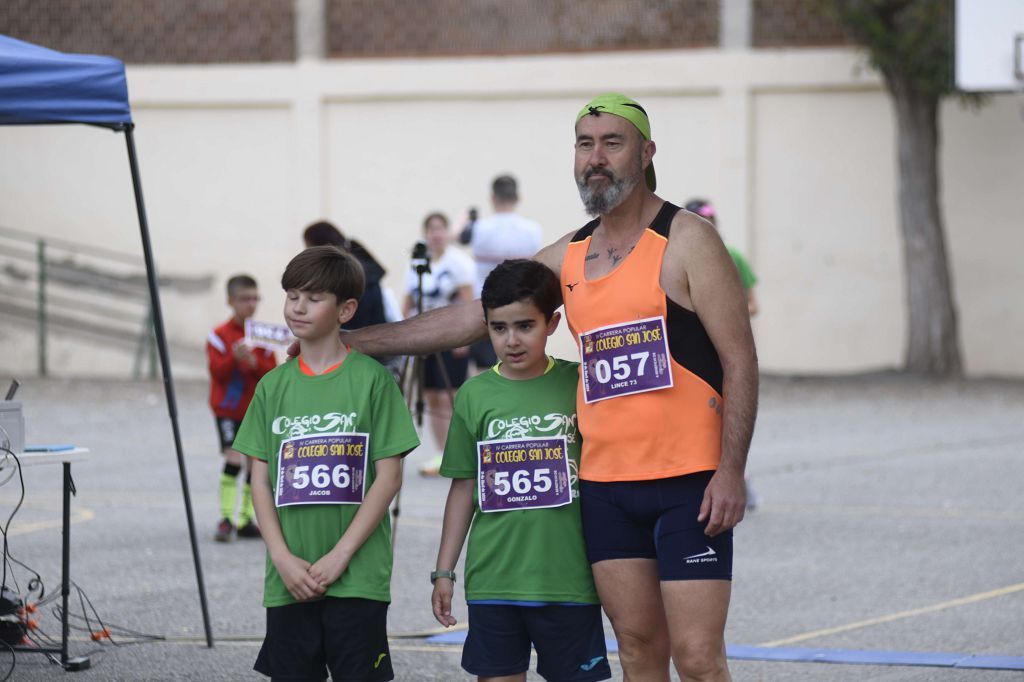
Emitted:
<point x="795" y="147"/>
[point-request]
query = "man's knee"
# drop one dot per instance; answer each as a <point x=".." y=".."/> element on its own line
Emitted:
<point x="642" y="647"/>
<point x="700" y="660"/>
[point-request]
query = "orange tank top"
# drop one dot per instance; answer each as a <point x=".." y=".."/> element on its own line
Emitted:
<point x="659" y="433"/>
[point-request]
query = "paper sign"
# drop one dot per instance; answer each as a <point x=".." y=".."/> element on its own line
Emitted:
<point x="268" y="335"/>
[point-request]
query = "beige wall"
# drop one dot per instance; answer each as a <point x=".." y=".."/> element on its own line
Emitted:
<point x="795" y="147"/>
<point x="826" y="245"/>
<point x="983" y="177"/>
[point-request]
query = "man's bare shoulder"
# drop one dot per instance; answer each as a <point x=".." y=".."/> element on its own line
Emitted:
<point x="691" y="236"/>
<point x="553" y="254"/>
<point x="694" y="251"/>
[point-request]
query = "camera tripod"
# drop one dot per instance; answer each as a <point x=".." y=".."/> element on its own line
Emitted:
<point x="412" y="384"/>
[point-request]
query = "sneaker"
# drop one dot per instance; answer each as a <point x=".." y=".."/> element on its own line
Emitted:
<point x="249" y="530"/>
<point x="225" y="531"/>
<point x="431" y="469"/>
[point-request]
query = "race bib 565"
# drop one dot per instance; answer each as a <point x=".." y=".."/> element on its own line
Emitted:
<point x="523" y="473"/>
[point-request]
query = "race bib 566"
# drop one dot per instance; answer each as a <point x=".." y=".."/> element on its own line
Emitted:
<point x="326" y="468"/>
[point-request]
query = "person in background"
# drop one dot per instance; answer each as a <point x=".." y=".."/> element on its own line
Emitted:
<point x="504" y="235"/>
<point x="377" y="303"/>
<point x="235" y="367"/>
<point x="705" y="209"/>
<point x="449" y="280"/>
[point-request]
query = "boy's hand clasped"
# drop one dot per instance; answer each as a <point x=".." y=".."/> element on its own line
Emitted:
<point x="328" y="568"/>
<point x="295" y="572"/>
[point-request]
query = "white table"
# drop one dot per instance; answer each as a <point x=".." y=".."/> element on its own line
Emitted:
<point x="65" y="458"/>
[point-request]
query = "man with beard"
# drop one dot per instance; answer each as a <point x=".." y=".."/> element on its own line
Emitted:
<point x="667" y="397"/>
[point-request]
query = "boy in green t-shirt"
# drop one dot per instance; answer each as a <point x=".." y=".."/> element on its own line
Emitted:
<point x="513" y="456"/>
<point x="326" y="434"/>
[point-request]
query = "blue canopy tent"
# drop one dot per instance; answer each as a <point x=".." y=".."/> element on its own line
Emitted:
<point x="43" y="86"/>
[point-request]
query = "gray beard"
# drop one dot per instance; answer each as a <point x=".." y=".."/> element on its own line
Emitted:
<point x="598" y="202"/>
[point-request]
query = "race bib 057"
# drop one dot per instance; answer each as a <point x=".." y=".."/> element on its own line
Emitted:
<point x="622" y="359"/>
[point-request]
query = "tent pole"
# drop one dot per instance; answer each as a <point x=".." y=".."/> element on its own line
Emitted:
<point x="165" y="364"/>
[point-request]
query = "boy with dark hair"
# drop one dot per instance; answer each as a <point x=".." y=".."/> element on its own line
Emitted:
<point x="326" y="434"/>
<point x="513" y="455"/>
<point x="235" y="367"/>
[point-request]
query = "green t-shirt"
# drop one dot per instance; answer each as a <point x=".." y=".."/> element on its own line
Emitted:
<point x="747" y="275"/>
<point x="521" y="555"/>
<point x="360" y="396"/>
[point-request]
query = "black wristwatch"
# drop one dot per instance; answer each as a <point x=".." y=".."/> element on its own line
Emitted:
<point x="434" y="575"/>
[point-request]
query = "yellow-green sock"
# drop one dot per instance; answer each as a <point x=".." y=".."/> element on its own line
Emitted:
<point x="229" y="491"/>
<point x="246" y="512"/>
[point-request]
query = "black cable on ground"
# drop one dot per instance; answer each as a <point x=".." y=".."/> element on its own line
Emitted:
<point x="106" y="629"/>
<point x="6" y="526"/>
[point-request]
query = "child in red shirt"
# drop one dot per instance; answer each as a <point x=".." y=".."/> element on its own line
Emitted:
<point x="235" y="368"/>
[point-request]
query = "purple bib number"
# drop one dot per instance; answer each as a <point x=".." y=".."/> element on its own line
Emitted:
<point x="627" y="358"/>
<point x="323" y="469"/>
<point x="524" y="473"/>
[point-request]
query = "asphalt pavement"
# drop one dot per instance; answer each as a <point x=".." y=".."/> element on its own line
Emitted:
<point x="891" y="519"/>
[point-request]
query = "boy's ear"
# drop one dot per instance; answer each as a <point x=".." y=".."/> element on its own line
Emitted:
<point x="347" y="310"/>
<point x="553" y="322"/>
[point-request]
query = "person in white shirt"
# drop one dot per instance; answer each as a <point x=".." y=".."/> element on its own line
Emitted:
<point x="449" y="280"/>
<point x="497" y="238"/>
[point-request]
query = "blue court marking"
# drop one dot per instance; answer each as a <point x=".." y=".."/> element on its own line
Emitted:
<point x="847" y="656"/>
<point x="758" y="653"/>
<point x="448" y="638"/>
<point x="861" y="657"/>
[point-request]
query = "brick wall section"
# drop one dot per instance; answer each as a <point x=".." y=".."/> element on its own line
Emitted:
<point x="370" y="28"/>
<point x="794" y="23"/>
<point x="157" y="31"/>
<point x="213" y="31"/>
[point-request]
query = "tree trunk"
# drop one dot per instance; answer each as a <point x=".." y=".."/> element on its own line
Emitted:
<point x="933" y="344"/>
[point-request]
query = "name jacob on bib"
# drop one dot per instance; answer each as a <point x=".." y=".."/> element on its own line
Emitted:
<point x="523" y="473"/>
<point x="622" y="359"/>
<point x="322" y="469"/>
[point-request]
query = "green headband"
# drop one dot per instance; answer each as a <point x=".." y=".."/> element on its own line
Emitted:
<point x="624" y="107"/>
